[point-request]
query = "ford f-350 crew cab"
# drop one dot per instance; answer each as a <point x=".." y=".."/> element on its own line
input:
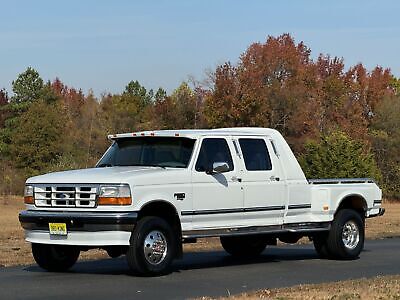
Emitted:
<point x="153" y="191"/>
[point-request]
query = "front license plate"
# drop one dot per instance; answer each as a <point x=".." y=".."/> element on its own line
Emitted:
<point x="58" y="228"/>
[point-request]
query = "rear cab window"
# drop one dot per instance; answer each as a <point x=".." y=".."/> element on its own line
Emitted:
<point x="255" y="154"/>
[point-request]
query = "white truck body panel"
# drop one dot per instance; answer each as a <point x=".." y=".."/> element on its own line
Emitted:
<point x="232" y="200"/>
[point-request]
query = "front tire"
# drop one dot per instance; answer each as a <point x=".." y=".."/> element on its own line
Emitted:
<point x="243" y="246"/>
<point x="153" y="246"/>
<point x="55" y="258"/>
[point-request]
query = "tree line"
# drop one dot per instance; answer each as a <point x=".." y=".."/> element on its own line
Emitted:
<point x="341" y="122"/>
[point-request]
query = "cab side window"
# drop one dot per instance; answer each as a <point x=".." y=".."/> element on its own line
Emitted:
<point x="211" y="151"/>
<point x="255" y="154"/>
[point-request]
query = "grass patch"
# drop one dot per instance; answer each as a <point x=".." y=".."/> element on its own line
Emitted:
<point x="381" y="287"/>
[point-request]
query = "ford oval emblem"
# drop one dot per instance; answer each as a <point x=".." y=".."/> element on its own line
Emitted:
<point x="64" y="196"/>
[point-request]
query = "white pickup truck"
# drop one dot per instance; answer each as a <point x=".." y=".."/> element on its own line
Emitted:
<point x="153" y="191"/>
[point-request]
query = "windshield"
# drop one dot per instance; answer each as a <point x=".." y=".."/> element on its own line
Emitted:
<point x="172" y="152"/>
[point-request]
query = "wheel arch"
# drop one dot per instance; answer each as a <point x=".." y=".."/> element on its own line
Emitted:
<point x="354" y="201"/>
<point x="159" y="208"/>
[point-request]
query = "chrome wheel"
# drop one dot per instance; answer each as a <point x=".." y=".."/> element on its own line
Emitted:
<point x="350" y="235"/>
<point x="155" y="247"/>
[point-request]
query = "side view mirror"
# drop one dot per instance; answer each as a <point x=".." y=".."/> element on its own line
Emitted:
<point x="219" y="167"/>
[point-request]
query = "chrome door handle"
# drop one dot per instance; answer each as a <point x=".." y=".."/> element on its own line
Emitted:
<point x="238" y="179"/>
<point x="273" y="178"/>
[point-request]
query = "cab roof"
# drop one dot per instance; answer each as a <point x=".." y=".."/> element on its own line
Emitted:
<point x="197" y="133"/>
<point x="281" y="148"/>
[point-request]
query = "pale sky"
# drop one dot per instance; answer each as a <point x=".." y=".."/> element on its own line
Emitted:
<point x="102" y="45"/>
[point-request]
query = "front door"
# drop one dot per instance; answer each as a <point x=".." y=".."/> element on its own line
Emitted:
<point x="217" y="198"/>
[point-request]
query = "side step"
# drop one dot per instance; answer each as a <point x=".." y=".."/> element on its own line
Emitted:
<point x="303" y="228"/>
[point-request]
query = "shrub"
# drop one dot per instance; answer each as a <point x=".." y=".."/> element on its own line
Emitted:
<point x="338" y="156"/>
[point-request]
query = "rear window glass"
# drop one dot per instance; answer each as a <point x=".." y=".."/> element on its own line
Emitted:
<point x="255" y="154"/>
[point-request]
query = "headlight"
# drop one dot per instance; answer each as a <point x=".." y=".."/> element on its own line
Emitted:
<point x="28" y="195"/>
<point x="115" y="195"/>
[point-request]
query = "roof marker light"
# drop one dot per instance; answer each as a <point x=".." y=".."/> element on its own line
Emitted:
<point x="142" y="134"/>
<point x="134" y="134"/>
<point x="152" y="134"/>
<point x="176" y="134"/>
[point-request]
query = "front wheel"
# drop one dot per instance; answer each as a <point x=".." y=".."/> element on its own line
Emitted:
<point x="153" y="247"/>
<point x="55" y="258"/>
<point x="244" y="246"/>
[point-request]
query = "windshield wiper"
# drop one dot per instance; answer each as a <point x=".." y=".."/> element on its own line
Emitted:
<point x="140" y="165"/>
<point x="104" y="165"/>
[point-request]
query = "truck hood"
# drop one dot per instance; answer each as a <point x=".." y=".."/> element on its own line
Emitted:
<point x="96" y="175"/>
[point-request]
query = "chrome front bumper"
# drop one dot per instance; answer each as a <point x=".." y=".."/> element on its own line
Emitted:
<point x="79" y="221"/>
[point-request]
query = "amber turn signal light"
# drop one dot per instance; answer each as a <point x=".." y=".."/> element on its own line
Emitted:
<point x="115" y="201"/>
<point x="29" y="200"/>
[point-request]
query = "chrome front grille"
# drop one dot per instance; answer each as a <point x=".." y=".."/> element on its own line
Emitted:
<point x="81" y="196"/>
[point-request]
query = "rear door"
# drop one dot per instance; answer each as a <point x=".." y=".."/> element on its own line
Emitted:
<point x="264" y="187"/>
<point x="217" y="198"/>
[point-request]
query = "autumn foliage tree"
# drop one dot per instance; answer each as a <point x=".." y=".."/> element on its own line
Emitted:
<point x="3" y="97"/>
<point x="277" y="84"/>
<point x="181" y="109"/>
<point x="273" y="85"/>
<point x="3" y="102"/>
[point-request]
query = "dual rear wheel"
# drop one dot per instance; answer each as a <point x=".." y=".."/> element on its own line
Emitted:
<point x="345" y="240"/>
